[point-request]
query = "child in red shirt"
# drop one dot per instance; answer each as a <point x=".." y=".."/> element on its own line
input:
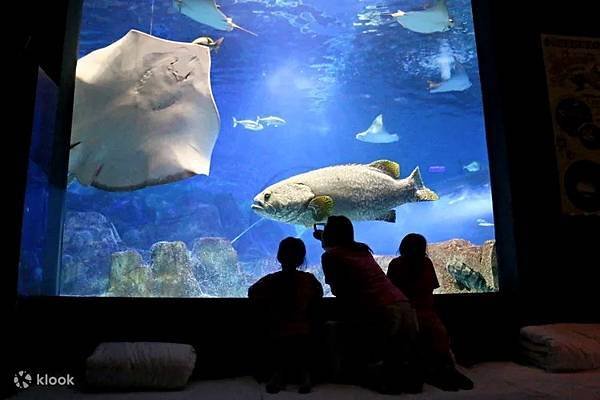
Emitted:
<point x="373" y="305"/>
<point x="288" y="300"/>
<point x="414" y="275"/>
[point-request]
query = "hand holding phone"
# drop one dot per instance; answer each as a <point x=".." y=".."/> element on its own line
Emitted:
<point x="318" y="233"/>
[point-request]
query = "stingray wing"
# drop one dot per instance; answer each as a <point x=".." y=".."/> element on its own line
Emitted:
<point x="376" y="126"/>
<point x="459" y="81"/>
<point x="144" y="114"/>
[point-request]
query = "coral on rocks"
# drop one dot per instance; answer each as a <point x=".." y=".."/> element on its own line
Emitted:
<point x="129" y="277"/>
<point x="172" y="270"/>
<point x="89" y="239"/>
<point x="216" y="267"/>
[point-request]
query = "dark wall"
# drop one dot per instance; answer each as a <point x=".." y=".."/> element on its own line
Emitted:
<point x="38" y="38"/>
<point x="556" y="260"/>
<point x="37" y="35"/>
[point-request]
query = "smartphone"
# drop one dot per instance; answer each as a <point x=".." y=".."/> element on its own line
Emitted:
<point x="318" y="233"/>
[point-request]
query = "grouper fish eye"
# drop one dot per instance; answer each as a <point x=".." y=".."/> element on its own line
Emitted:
<point x="267" y="196"/>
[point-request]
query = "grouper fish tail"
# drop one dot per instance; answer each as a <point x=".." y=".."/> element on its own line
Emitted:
<point x="422" y="193"/>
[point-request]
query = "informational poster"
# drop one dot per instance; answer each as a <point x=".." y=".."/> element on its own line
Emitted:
<point x="573" y="78"/>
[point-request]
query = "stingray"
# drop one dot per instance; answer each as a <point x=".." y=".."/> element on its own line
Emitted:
<point x="377" y="133"/>
<point x="144" y="114"/>
<point x="430" y="20"/>
<point x="459" y="81"/>
<point x="207" y="12"/>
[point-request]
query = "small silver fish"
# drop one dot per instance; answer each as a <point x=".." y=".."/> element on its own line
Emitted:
<point x="271" y="121"/>
<point x="248" y="124"/>
<point x="483" y="222"/>
<point x="472" y="167"/>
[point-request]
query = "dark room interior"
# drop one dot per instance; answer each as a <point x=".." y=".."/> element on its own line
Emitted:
<point x="548" y="260"/>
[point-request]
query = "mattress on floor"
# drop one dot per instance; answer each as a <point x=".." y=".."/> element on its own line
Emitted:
<point x="561" y="347"/>
<point x="493" y="381"/>
<point x="140" y="365"/>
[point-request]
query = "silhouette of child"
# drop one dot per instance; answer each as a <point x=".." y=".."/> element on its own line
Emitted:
<point x="413" y="273"/>
<point x="288" y="300"/>
<point x="373" y="306"/>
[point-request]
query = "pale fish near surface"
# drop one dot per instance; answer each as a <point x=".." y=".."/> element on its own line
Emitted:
<point x="472" y="167"/>
<point x="249" y="124"/>
<point x="207" y="12"/>
<point x="358" y="191"/>
<point x="458" y="81"/>
<point x="377" y="133"/>
<point x="430" y="20"/>
<point x="271" y="121"/>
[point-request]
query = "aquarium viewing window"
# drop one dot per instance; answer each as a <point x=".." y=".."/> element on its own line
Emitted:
<point x="204" y="135"/>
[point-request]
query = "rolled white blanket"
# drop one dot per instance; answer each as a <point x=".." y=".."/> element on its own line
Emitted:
<point x="561" y="347"/>
<point x="140" y="365"/>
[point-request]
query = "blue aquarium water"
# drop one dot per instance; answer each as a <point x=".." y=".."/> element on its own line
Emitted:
<point x="326" y="70"/>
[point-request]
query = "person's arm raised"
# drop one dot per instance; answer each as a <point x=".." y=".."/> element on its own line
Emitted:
<point x="329" y="270"/>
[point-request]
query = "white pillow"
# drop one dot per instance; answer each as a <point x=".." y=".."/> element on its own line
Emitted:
<point x="140" y="365"/>
<point x="562" y="347"/>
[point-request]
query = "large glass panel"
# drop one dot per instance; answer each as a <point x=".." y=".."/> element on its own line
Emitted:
<point x="33" y="279"/>
<point x="314" y="84"/>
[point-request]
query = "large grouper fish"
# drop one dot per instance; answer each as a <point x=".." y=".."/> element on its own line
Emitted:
<point x="361" y="192"/>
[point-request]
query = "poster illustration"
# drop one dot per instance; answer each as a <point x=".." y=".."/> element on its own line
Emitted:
<point x="573" y="78"/>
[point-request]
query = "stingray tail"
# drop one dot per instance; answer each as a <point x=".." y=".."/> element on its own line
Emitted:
<point x="218" y="44"/>
<point x="243" y="29"/>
